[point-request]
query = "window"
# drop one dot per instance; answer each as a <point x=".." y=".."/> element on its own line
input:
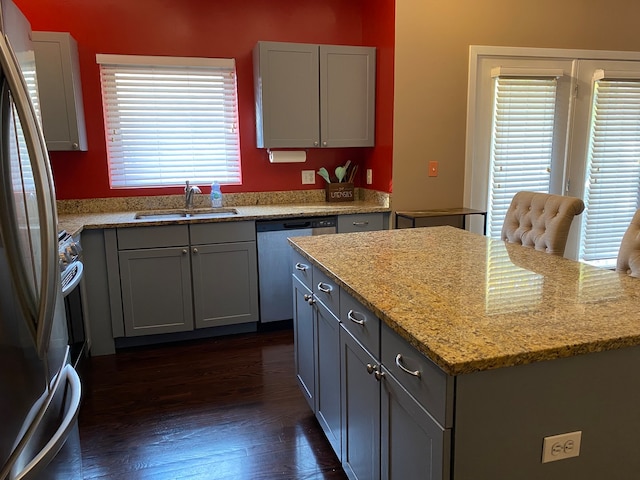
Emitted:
<point x="170" y="119"/>
<point x="613" y="168"/>
<point x="521" y="141"/>
<point x="587" y="139"/>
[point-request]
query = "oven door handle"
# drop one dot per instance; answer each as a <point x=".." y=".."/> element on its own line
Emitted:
<point x="77" y="276"/>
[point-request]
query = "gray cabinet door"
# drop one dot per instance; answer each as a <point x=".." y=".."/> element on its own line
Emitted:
<point x="225" y="280"/>
<point x="328" y="375"/>
<point x="60" y="90"/>
<point x="347" y="96"/>
<point x="362" y="222"/>
<point x="286" y="82"/>
<point x="414" y="445"/>
<point x="360" y="395"/>
<point x="156" y="290"/>
<point x="304" y="342"/>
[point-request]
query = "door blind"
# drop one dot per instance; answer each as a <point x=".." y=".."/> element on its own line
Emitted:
<point x="613" y="169"/>
<point x="167" y="123"/>
<point x="521" y="144"/>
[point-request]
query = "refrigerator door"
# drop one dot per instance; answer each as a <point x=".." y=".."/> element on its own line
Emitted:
<point x="34" y="419"/>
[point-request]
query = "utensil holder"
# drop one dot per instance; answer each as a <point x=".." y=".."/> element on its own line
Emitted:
<point x="339" y="192"/>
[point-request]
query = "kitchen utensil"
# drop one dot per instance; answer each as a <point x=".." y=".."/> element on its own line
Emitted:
<point x="324" y="174"/>
<point x="340" y="173"/>
<point x="352" y="174"/>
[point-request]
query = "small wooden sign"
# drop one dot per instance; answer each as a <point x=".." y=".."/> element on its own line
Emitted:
<point x="339" y="192"/>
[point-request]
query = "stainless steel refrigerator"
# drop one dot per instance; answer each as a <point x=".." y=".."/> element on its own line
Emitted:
<point x="39" y="391"/>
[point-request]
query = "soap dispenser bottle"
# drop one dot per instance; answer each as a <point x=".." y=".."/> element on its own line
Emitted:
<point x="216" y="195"/>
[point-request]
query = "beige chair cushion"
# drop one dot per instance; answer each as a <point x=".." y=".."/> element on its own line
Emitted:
<point x="540" y="220"/>
<point x="629" y="254"/>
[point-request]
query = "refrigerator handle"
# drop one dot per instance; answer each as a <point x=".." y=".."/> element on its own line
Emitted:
<point x="43" y="457"/>
<point x="43" y="179"/>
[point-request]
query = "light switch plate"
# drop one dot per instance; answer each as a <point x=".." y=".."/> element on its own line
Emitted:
<point x="308" y="177"/>
<point x="369" y="176"/>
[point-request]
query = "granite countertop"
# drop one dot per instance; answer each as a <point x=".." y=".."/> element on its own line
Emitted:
<point x="471" y="303"/>
<point x="74" y="223"/>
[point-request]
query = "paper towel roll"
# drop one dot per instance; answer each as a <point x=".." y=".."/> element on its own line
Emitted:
<point x="288" y="156"/>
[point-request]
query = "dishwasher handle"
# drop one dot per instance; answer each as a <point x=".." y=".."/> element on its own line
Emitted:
<point x="294" y="225"/>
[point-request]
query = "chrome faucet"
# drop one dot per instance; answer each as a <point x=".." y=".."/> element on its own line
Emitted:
<point x="189" y="190"/>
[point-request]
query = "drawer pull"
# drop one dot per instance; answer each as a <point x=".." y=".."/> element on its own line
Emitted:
<point x="302" y="267"/>
<point x="415" y="373"/>
<point x="351" y="317"/>
<point x="325" y="288"/>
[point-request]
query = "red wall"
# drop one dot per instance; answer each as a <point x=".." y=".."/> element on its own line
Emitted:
<point x="217" y="28"/>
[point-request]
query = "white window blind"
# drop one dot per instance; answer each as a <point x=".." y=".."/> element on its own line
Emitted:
<point x="613" y="169"/>
<point x="521" y="144"/>
<point x="168" y="120"/>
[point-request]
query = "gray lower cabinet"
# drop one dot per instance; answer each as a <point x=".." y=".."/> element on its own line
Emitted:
<point x="360" y="399"/>
<point x="383" y="419"/>
<point x="362" y="222"/>
<point x="179" y="277"/>
<point x="413" y="444"/>
<point x="328" y="375"/>
<point x="317" y="346"/>
<point x="156" y="290"/>
<point x="304" y="341"/>
<point x="223" y="281"/>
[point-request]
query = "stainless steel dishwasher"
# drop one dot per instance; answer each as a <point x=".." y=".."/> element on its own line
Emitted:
<point x="274" y="267"/>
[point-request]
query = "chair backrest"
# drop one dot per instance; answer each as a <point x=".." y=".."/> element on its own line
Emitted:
<point x="540" y="220"/>
<point x="629" y="254"/>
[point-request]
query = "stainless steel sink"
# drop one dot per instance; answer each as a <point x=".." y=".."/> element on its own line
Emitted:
<point x="180" y="213"/>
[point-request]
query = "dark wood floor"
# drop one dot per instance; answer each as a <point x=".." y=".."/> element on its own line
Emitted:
<point x="222" y="408"/>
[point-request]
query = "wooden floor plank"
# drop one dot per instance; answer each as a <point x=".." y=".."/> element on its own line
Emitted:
<point x="222" y="408"/>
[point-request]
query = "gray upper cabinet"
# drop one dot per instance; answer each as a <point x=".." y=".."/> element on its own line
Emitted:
<point x="59" y="87"/>
<point x="314" y="95"/>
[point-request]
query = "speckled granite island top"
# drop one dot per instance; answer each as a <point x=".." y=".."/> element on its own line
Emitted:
<point x="470" y="303"/>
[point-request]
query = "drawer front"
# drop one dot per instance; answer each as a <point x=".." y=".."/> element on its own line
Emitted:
<point x="153" y="237"/>
<point x="222" y="232"/>
<point x="429" y="385"/>
<point x="301" y="268"/>
<point x="361" y="222"/>
<point x="327" y="291"/>
<point x="361" y="323"/>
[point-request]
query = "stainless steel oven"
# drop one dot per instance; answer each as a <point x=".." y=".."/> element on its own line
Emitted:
<point x="71" y="272"/>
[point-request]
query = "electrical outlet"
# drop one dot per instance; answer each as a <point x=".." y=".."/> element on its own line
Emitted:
<point x="559" y="447"/>
<point x="308" y="177"/>
<point x="369" y="176"/>
<point x="433" y="169"/>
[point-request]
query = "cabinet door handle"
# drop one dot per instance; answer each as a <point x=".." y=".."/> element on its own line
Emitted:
<point x="379" y="375"/>
<point x="354" y="319"/>
<point x="325" y="288"/>
<point x="315" y="144"/>
<point x="415" y="373"/>
<point x="309" y="299"/>
<point x="324" y="144"/>
<point x="195" y="250"/>
<point x="302" y="267"/>
<point x="360" y="224"/>
<point x="185" y="251"/>
<point x="370" y="368"/>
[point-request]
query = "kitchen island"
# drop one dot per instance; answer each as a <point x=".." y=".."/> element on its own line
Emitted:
<point x="520" y="345"/>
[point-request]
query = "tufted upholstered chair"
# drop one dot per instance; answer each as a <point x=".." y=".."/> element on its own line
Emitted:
<point x="540" y="220"/>
<point x="629" y="254"/>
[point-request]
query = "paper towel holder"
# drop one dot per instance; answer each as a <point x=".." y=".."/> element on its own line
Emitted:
<point x="287" y="156"/>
